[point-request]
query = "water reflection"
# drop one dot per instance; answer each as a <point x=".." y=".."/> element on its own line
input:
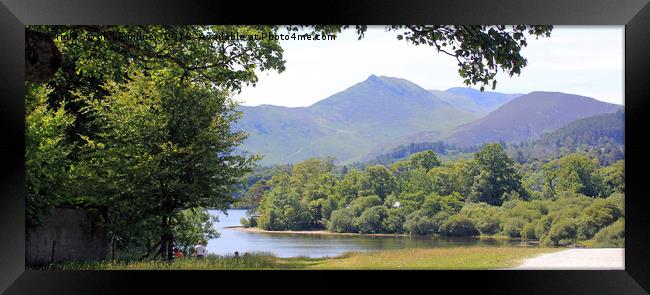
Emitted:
<point x="315" y="245"/>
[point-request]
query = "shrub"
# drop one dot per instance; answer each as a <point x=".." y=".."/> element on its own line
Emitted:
<point x="512" y="227"/>
<point x="245" y="222"/>
<point x="598" y="215"/>
<point x="370" y="221"/>
<point x="341" y="221"/>
<point x="419" y="223"/>
<point x="484" y="217"/>
<point x="459" y="225"/>
<point x="611" y="236"/>
<point x="563" y="232"/>
<point x="393" y="223"/>
<point x="542" y="226"/>
<point x="528" y="232"/>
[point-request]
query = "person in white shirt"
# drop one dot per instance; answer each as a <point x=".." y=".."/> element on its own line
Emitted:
<point x="200" y="250"/>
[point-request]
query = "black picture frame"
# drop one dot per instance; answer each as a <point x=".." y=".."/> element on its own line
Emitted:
<point x="634" y="14"/>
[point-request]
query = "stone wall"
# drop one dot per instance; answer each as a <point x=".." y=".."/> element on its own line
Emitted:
<point x="68" y="234"/>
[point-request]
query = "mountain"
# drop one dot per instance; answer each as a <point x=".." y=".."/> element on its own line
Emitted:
<point x="347" y="125"/>
<point x="473" y="100"/>
<point x="602" y="136"/>
<point x="527" y="117"/>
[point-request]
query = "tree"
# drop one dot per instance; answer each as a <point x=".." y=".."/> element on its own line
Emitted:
<point x="574" y="173"/>
<point x="479" y="50"/>
<point x="165" y="147"/>
<point x="342" y="221"/>
<point x="377" y="180"/>
<point x="348" y="188"/>
<point x="497" y="176"/>
<point x="282" y="208"/>
<point x="425" y="160"/>
<point x="371" y="220"/>
<point x="46" y="154"/>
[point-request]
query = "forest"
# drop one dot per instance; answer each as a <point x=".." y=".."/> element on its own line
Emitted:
<point x="571" y="200"/>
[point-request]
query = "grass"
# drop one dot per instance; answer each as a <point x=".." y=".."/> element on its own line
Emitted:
<point x="436" y="258"/>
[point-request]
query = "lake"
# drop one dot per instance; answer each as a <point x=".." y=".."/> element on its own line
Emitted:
<point x="293" y="245"/>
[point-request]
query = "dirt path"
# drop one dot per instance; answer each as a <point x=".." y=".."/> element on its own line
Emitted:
<point x="606" y="258"/>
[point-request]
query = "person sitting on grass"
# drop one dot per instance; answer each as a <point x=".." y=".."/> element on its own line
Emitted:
<point x="200" y="250"/>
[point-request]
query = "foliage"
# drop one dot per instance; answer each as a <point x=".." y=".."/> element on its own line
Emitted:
<point x="371" y="220"/>
<point x="192" y="225"/>
<point x="341" y="221"/>
<point x="47" y="180"/>
<point x="459" y="225"/>
<point x="574" y="173"/>
<point x="416" y="206"/>
<point x="479" y="50"/>
<point x="611" y="236"/>
<point x="562" y="233"/>
<point x="496" y="176"/>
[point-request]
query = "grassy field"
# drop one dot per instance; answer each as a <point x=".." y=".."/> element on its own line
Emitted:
<point x="437" y="258"/>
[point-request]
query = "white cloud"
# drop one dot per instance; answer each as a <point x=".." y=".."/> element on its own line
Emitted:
<point x="580" y="60"/>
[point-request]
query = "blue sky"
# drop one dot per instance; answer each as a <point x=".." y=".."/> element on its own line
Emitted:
<point x="584" y="60"/>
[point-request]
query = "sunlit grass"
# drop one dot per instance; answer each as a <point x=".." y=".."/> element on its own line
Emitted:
<point x="436" y="258"/>
<point x="246" y="261"/>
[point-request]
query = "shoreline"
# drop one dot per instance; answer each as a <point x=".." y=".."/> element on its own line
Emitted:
<point x="325" y="232"/>
<point x="306" y="232"/>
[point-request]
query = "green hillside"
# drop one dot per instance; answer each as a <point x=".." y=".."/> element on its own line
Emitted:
<point x="528" y="117"/>
<point x="347" y="125"/>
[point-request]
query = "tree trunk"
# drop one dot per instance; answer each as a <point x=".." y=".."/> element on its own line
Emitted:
<point x="113" y="248"/>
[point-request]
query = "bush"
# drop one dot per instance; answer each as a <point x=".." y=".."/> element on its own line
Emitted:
<point x="542" y="226"/>
<point x="341" y="221"/>
<point x="459" y="225"/>
<point x="528" y="232"/>
<point x="563" y="232"/>
<point x="513" y="227"/>
<point x="598" y="215"/>
<point x="419" y="223"/>
<point x="393" y="223"/>
<point x="484" y="217"/>
<point x="611" y="236"/>
<point x="370" y="221"/>
<point x="245" y="222"/>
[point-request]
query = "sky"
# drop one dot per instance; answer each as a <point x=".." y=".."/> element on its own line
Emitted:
<point x="584" y="60"/>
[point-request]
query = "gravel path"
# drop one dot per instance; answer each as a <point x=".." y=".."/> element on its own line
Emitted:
<point x="606" y="258"/>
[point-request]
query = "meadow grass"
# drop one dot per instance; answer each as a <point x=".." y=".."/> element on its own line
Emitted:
<point x="436" y="258"/>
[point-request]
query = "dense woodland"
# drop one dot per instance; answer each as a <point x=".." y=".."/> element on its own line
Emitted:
<point x="567" y="201"/>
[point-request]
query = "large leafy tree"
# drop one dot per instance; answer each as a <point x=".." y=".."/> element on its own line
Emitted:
<point x="46" y="154"/>
<point x="497" y="175"/>
<point x="165" y="147"/>
<point x="577" y="173"/>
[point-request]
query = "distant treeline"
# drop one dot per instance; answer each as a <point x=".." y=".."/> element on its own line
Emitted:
<point x="602" y="136"/>
<point x="565" y="201"/>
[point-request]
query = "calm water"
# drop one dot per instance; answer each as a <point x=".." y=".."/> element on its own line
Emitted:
<point x="292" y="245"/>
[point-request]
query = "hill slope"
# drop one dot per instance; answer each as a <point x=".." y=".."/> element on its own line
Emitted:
<point x="527" y="117"/>
<point x="348" y="124"/>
